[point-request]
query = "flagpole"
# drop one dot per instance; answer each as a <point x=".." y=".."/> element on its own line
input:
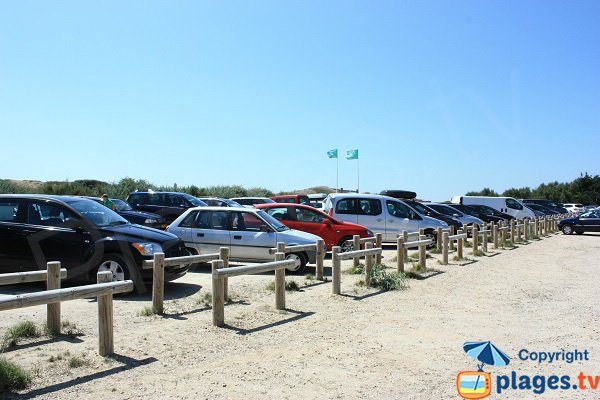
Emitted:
<point x="337" y="173"/>
<point x="357" y="176"/>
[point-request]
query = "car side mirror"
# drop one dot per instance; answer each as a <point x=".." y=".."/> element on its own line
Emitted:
<point x="265" y="228"/>
<point x="327" y="222"/>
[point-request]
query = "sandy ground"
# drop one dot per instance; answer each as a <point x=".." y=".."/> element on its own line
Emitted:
<point x="543" y="296"/>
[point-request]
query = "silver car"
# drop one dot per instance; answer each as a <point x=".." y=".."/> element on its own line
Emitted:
<point x="454" y="213"/>
<point x="249" y="233"/>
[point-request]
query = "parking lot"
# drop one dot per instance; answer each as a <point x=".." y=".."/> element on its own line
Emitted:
<point x="363" y="344"/>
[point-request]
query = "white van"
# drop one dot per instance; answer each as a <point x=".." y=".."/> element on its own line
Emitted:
<point x="507" y="205"/>
<point x="381" y="214"/>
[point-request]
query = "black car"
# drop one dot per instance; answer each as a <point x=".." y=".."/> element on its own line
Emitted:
<point x="430" y="212"/>
<point x="556" y="207"/>
<point x="125" y="210"/>
<point x="490" y="211"/>
<point x="543" y="210"/>
<point x="85" y="236"/>
<point x="475" y="212"/>
<point x="168" y="205"/>
<point x="216" y="201"/>
<point x="586" y="222"/>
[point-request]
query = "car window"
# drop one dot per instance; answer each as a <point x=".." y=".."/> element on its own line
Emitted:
<point x="218" y="220"/>
<point x="512" y="203"/>
<point x="397" y="209"/>
<point x="304" y="200"/>
<point x="369" y="207"/>
<point x="8" y="210"/>
<point x="346" y="206"/>
<point x="280" y="213"/>
<point x="137" y="198"/>
<point x="96" y="213"/>
<point x="48" y="214"/>
<point x="189" y="220"/>
<point x="304" y="215"/>
<point x="245" y="221"/>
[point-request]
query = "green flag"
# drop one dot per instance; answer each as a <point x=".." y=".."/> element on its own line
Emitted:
<point x="332" y="153"/>
<point x="352" y="154"/>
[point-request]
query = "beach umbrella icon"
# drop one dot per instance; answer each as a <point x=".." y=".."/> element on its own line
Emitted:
<point x="486" y="353"/>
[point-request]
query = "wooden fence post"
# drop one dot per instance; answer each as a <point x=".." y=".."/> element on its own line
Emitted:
<point x="451" y="244"/>
<point x="158" y="283"/>
<point x="280" y="282"/>
<point x="400" y="254"/>
<point x="445" y="248"/>
<point x="485" y="239"/>
<point x="53" y="310"/>
<point x="459" y="247"/>
<point x="105" y="317"/>
<point x="356" y="246"/>
<point x="218" y="303"/>
<point x="335" y="270"/>
<point x="224" y="255"/>
<point x="422" y="253"/>
<point x="512" y="231"/>
<point x="525" y="229"/>
<point x="378" y="242"/>
<point x="320" y="258"/>
<point x="368" y="265"/>
<point x="438" y="240"/>
<point x="495" y="234"/>
<point x="475" y="236"/>
<point x="405" y="239"/>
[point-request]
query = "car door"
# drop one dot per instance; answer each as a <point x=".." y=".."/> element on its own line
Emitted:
<point x="589" y="222"/>
<point x="13" y="243"/>
<point x="370" y="214"/>
<point x="251" y="237"/>
<point x="398" y="220"/>
<point x="55" y="233"/>
<point x="210" y="231"/>
<point x="346" y="209"/>
<point x="313" y="222"/>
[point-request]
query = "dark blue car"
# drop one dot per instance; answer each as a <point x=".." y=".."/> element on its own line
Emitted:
<point x="586" y="222"/>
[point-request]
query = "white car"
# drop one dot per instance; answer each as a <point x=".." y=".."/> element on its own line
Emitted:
<point x="574" y="208"/>
<point x="380" y="214"/>
<point x="507" y="205"/>
<point x="249" y="233"/>
<point x="251" y="201"/>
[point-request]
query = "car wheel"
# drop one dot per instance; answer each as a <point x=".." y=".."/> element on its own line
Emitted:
<point x="430" y="235"/>
<point x="346" y="244"/>
<point x="116" y="266"/>
<point x="300" y="262"/>
<point x="567" y="229"/>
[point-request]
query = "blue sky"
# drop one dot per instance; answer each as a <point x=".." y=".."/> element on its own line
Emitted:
<point x="440" y="97"/>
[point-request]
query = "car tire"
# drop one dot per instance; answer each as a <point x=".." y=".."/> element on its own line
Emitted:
<point x="121" y="271"/>
<point x="431" y="235"/>
<point x="567" y="229"/>
<point x="346" y="244"/>
<point x="301" y="261"/>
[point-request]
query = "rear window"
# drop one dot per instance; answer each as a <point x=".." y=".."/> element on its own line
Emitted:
<point x="346" y="206"/>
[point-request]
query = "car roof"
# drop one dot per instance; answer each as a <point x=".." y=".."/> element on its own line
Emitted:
<point x="363" y="196"/>
<point x="159" y="192"/>
<point x="63" y="198"/>
<point x="218" y="208"/>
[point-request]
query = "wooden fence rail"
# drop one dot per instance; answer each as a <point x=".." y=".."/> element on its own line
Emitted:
<point x="319" y="247"/>
<point x="403" y="246"/>
<point x="337" y="256"/>
<point x="219" y="273"/>
<point x="27" y="277"/>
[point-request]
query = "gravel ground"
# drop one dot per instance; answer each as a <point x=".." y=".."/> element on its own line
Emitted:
<point x="365" y="344"/>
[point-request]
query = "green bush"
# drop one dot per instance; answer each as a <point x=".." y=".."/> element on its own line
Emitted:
<point x="356" y="270"/>
<point x="382" y="279"/>
<point x="12" y="376"/>
<point x="25" y="329"/>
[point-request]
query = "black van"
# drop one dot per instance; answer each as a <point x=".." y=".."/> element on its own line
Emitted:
<point x="168" y="205"/>
<point x="83" y="235"/>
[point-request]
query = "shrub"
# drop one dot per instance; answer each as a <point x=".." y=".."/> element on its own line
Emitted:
<point x="206" y="300"/>
<point x="12" y="376"/>
<point x="25" y="329"/>
<point x="382" y="279"/>
<point x="290" y="286"/>
<point x="356" y="270"/>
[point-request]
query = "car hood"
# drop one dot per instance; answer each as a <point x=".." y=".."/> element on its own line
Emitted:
<point x="470" y="220"/>
<point x="140" y="232"/>
<point x="294" y="236"/>
<point x="351" y="225"/>
<point x="433" y="222"/>
<point x="140" y="214"/>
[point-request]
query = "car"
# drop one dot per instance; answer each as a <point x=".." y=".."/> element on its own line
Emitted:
<point x="308" y="219"/>
<point x="251" y="201"/>
<point x="507" y="205"/>
<point x="430" y="212"/>
<point x="381" y="214"/>
<point x="217" y="201"/>
<point x="292" y="198"/>
<point x="249" y="233"/>
<point x="125" y="210"/>
<point x="85" y="236"/>
<point x="168" y="205"/>
<point x="477" y="213"/>
<point x="535" y="211"/>
<point x="450" y="211"/>
<point x="489" y="211"/>
<point x="542" y="210"/>
<point x="574" y="208"/>
<point x="554" y="206"/>
<point x="586" y="222"/>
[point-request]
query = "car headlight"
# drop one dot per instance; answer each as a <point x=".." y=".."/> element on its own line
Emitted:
<point x="151" y="221"/>
<point x="147" y="249"/>
<point x="369" y="233"/>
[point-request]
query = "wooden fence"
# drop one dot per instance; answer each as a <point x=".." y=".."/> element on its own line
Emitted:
<point x="337" y="256"/>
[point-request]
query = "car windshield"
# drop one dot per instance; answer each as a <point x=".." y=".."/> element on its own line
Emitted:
<point x="195" y="201"/>
<point x="274" y="222"/>
<point x="121" y="205"/>
<point x="419" y="207"/>
<point x="231" y="203"/>
<point x="449" y="211"/>
<point x="97" y="214"/>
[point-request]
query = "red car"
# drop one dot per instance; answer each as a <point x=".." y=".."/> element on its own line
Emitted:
<point x="308" y="219"/>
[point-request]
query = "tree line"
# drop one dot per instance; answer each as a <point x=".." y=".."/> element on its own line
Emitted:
<point x="584" y="190"/>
